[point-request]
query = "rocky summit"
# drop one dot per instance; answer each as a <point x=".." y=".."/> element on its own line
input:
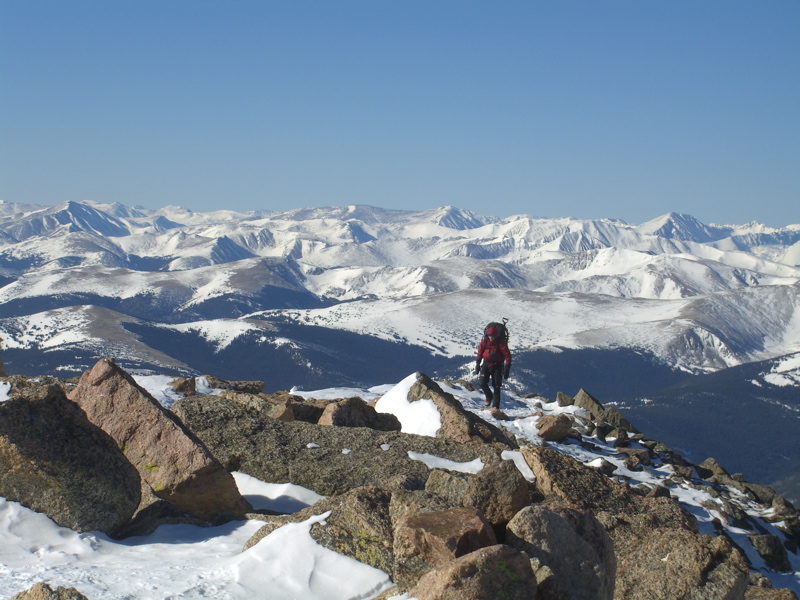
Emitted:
<point x="561" y="500"/>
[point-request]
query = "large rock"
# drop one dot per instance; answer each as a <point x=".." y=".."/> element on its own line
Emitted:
<point x="281" y="405"/>
<point x="709" y="468"/>
<point x="354" y="412"/>
<point x="659" y="551"/>
<point x="499" y="491"/>
<point x="54" y="461"/>
<point x="553" y="428"/>
<point x="560" y="477"/>
<point x="563" y="400"/>
<point x="494" y="572"/>
<point x="24" y="387"/>
<point x="613" y="417"/>
<point x="304" y="409"/>
<point x="397" y="532"/>
<point x="428" y="540"/>
<point x="42" y="591"/>
<point x="328" y="460"/>
<point x="184" y="386"/>
<point x="664" y="562"/>
<point x="572" y="544"/>
<point x="589" y="403"/>
<point x="168" y="457"/>
<point x="601" y="415"/>
<point x="458" y="424"/>
<point x="786" y="518"/>
<point x="358" y="526"/>
<point x="406" y="503"/>
<point x="771" y="549"/>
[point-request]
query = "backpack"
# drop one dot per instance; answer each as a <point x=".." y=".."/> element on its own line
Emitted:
<point x="501" y="329"/>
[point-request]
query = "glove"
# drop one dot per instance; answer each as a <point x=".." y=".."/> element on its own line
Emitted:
<point x="506" y="371"/>
<point x="477" y="368"/>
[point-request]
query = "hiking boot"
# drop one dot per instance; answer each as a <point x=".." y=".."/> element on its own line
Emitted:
<point x="487" y="402"/>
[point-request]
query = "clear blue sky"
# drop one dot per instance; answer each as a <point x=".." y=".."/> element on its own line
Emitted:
<point x="603" y="108"/>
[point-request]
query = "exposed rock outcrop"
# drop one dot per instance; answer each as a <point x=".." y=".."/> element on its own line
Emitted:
<point x="601" y="415"/>
<point x="768" y="593"/>
<point x="659" y="552"/>
<point x="152" y="512"/>
<point x="281" y="408"/>
<point x="560" y="477"/>
<point x="664" y="562"/>
<point x="328" y="460"/>
<point x="771" y="549"/>
<point x="247" y="387"/>
<point x="167" y="455"/>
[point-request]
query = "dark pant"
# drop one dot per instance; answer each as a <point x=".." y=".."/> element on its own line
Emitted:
<point x="495" y="373"/>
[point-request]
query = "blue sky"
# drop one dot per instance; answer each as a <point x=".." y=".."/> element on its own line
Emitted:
<point x="622" y="109"/>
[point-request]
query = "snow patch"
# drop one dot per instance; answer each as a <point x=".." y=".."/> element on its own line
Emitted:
<point x="520" y="462"/>
<point x="290" y="564"/>
<point x="785" y="373"/>
<point x="5" y="387"/>
<point x="221" y="332"/>
<point x="420" y="417"/>
<point x="435" y="462"/>
<point x="278" y="497"/>
<point x="158" y="386"/>
<point x="203" y="388"/>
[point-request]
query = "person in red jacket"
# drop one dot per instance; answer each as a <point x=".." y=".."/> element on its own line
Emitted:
<point x="494" y="362"/>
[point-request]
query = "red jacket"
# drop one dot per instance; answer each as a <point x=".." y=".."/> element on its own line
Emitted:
<point x="494" y="351"/>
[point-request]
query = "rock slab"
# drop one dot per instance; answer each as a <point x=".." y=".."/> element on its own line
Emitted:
<point x="166" y="454"/>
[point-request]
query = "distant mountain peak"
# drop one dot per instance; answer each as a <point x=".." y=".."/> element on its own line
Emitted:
<point x="457" y="218"/>
<point x="678" y="226"/>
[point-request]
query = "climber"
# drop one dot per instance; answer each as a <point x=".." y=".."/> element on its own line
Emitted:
<point x="493" y="362"/>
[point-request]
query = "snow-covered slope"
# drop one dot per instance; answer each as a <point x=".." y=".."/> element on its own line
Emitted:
<point x="698" y="333"/>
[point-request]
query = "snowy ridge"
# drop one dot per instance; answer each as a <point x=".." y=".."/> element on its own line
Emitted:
<point x="391" y="237"/>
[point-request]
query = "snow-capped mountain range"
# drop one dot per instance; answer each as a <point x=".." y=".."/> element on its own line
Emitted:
<point x="646" y="316"/>
<point x="699" y="297"/>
